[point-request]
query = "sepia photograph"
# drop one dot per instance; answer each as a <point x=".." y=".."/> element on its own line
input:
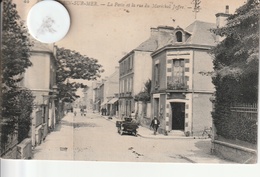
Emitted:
<point x="154" y="81"/>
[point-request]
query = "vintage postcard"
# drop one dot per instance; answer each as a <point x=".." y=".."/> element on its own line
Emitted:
<point x="173" y="81"/>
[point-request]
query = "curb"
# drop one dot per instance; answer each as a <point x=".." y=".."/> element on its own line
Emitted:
<point x="166" y="137"/>
<point x="154" y="137"/>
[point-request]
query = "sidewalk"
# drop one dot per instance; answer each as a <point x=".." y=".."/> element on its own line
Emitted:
<point x="58" y="144"/>
<point x="202" y="155"/>
<point x="145" y="132"/>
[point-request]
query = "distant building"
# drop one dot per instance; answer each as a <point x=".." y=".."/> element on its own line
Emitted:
<point x="88" y="98"/>
<point x="111" y="88"/>
<point x="136" y="69"/>
<point x="96" y="96"/>
<point x="180" y="94"/>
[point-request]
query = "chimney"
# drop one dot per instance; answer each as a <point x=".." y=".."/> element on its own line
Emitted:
<point x="221" y="21"/>
<point x="165" y="33"/>
<point x="227" y="9"/>
<point x="154" y="31"/>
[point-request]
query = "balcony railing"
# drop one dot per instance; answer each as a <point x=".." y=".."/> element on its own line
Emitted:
<point x="176" y="86"/>
<point x="126" y="94"/>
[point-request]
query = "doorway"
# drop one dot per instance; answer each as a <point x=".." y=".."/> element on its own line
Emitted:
<point x="178" y="116"/>
<point x="156" y="107"/>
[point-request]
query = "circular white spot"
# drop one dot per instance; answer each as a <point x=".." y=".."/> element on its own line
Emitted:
<point x="48" y="21"/>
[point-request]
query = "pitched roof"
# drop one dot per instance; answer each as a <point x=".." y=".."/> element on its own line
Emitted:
<point x="200" y="33"/>
<point x="158" y="39"/>
<point x="150" y="44"/>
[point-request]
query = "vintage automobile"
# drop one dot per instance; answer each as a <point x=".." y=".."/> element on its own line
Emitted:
<point x="127" y="126"/>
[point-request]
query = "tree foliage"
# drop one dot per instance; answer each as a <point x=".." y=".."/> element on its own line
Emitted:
<point x="71" y="65"/>
<point x="145" y="95"/>
<point x="16" y="102"/>
<point x="15" y="45"/>
<point x="236" y="64"/>
<point x="236" y="57"/>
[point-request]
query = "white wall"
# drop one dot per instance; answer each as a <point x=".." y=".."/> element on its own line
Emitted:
<point x="142" y="70"/>
<point x="38" y="75"/>
<point x="202" y="62"/>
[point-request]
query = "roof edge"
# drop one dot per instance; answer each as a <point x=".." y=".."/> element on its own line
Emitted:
<point x="184" y="46"/>
<point x="125" y="56"/>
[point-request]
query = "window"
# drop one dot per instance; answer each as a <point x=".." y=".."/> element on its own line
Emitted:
<point x="125" y="66"/>
<point x="179" y="36"/>
<point x="131" y="84"/>
<point x="131" y="62"/>
<point x="125" y="85"/>
<point x="128" y="63"/>
<point x="157" y="74"/>
<point x="178" y="73"/>
<point x="120" y="86"/>
<point x="121" y="69"/>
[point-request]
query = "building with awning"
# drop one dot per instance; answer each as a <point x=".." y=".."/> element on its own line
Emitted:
<point x="105" y="93"/>
<point x="110" y="92"/>
<point x="112" y="101"/>
<point x="112" y="107"/>
<point x="104" y="103"/>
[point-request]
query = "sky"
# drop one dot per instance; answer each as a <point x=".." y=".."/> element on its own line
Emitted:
<point x="108" y="33"/>
<point x="109" y="29"/>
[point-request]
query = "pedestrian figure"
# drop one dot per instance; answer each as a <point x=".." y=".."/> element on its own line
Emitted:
<point x="81" y="112"/>
<point x="155" y="124"/>
<point x="102" y="111"/>
<point x="75" y="113"/>
<point x="105" y="111"/>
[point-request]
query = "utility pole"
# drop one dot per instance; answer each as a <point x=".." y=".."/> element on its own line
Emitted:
<point x="196" y="8"/>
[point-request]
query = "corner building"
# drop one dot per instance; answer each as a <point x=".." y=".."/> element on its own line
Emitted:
<point x="180" y="93"/>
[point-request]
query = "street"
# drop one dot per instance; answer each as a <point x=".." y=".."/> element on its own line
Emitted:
<point x="95" y="138"/>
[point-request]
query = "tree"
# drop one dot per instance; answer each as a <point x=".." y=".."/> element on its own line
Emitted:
<point x="15" y="46"/>
<point x="145" y="95"/>
<point x="26" y="99"/>
<point x="236" y="64"/>
<point x="236" y="57"/>
<point x="15" y="59"/>
<point x="71" y="65"/>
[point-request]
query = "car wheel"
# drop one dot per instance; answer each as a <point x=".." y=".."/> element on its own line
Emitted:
<point x="121" y="132"/>
<point x="135" y="133"/>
